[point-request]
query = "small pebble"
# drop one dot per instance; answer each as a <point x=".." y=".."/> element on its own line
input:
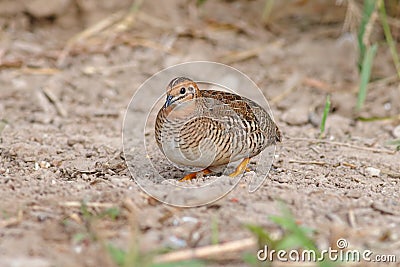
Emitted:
<point x="374" y="172"/>
<point x="76" y="140"/>
<point x="44" y="164"/>
<point x="296" y="116"/>
<point x="396" y="131"/>
<point x="89" y="70"/>
<point x="189" y="219"/>
<point x="353" y="194"/>
<point x="42" y="8"/>
<point x="176" y="242"/>
<point x="78" y="249"/>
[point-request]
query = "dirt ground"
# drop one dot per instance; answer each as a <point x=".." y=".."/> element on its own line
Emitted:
<point x="61" y="117"/>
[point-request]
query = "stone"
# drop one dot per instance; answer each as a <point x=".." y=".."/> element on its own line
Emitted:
<point x="296" y="116"/>
<point x="371" y="171"/>
<point x="396" y="131"/>
<point x="44" y="8"/>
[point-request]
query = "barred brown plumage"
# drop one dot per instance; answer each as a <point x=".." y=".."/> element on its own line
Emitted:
<point x="207" y="129"/>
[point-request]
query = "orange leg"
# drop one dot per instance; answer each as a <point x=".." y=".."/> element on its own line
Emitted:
<point x="240" y="168"/>
<point x="193" y="175"/>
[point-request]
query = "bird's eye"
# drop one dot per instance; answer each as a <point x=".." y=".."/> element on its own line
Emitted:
<point x="183" y="90"/>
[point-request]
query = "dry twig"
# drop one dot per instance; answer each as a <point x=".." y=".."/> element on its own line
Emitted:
<point x="98" y="27"/>
<point x="234" y="57"/>
<point x="12" y="221"/>
<point x="382" y="208"/>
<point x="352" y="218"/>
<point x="40" y="71"/>
<point x="317" y="84"/>
<point x="207" y="251"/>
<point x="317" y="141"/>
<point x="291" y="85"/>
<point x="77" y="204"/>
<point x="55" y="101"/>
<point x="308" y="162"/>
<point x="120" y="20"/>
<point x="391" y="173"/>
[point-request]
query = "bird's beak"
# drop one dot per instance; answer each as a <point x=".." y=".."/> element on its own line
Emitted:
<point x="168" y="101"/>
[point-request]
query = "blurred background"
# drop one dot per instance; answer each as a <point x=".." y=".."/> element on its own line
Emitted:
<point x="68" y="68"/>
<point x="320" y="43"/>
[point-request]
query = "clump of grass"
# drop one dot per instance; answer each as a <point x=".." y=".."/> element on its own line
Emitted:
<point x="117" y="255"/>
<point x="263" y="238"/>
<point x="396" y="143"/>
<point x="325" y="116"/>
<point x="371" y="10"/>
<point x="89" y="232"/>
<point x="134" y="258"/>
<point x="295" y="237"/>
<point x="89" y="219"/>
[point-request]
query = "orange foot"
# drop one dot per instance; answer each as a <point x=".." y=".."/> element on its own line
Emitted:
<point x="240" y="168"/>
<point x="193" y="175"/>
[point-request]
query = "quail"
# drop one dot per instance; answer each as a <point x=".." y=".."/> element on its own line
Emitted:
<point x="208" y="129"/>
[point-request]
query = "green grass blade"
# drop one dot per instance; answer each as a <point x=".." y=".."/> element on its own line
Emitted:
<point x="188" y="263"/>
<point x="388" y="36"/>
<point x="112" y="213"/>
<point x="117" y="255"/>
<point x="365" y="75"/>
<point x="263" y="237"/>
<point x="325" y="116"/>
<point x="250" y="259"/>
<point x="395" y="142"/>
<point x="267" y="10"/>
<point x="135" y="7"/>
<point x="214" y="231"/>
<point x="369" y="7"/>
<point x="297" y="235"/>
<point x="3" y="125"/>
<point x="371" y="119"/>
<point x="200" y="2"/>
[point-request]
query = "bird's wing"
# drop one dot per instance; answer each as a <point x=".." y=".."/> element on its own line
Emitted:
<point x="226" y="103"/>
<point x="253" y="115"/>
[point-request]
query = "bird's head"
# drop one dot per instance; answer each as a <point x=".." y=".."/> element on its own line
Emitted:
<point x="181" y="89"/>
